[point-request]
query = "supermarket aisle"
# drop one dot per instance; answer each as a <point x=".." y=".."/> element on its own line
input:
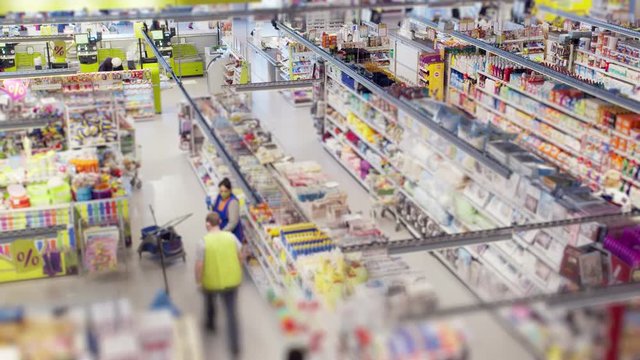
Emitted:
<point x="173" y="189"/>
<point x="293" y="128"/>
<point x="170" y="186"/>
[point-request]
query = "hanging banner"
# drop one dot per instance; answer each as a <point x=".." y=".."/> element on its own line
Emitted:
<point x="71" y="5"/>
<point x="59" y="51"/>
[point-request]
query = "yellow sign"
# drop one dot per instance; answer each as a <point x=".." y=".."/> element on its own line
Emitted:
<point x="67" y="5"/>
<point x="578" y="7"/>
<point x="26" y="257"/>
<point x="59" y="51"/>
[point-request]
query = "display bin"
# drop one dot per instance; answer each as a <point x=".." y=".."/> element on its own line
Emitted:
<point x="103" y="231"/>
<point x="37" y="243"/>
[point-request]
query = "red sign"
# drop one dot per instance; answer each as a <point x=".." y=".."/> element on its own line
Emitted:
<point x="15" y="88"/>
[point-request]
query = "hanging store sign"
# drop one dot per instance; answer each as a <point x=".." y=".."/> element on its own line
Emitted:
<point x="59" y="51"/>
<point x="15" y="88"/>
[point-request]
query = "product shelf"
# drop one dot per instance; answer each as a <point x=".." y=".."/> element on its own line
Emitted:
<point x="483" y="295"/>
<point x="635" y="158"/>
<point x="539" y="99"/>
<point x="339" y="109"/>
<point x="359" y="96"/>
<point x="195" y="168"/>
<point x="38" y="38"/>
<point x="380" y="130"/>
<point x="532" y="130"/>
<point x="466" y="96"/>
<point x="480" y="209"/>
<point x="513" y="287"/>
<point x="8" y="236"/>
<point x="299" y="280"/>
<point x="336" y="123"/>
<point x="349" y="171"/>
<point x="608" y="59"/>
<point x="471" y="76"/>
<point x="263" y="260"/>
<point x="517" y="238"/>
<point x="573" y="133"/>
<point x="27" y="123"/>
<point x="265" y="247"/>
<point x="258" y="276"/>
<point x="529" y="39"/>
<point x="604" y="72"/>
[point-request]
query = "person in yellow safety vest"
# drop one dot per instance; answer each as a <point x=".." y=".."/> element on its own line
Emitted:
<point x="219" y="272"/>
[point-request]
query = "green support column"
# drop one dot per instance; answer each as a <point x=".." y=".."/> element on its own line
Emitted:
<point x="155" y="81"/>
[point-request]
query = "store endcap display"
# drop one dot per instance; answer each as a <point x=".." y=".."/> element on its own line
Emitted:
<point x="59" y="178"/>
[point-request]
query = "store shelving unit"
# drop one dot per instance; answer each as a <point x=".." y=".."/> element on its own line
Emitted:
<point x="39" y="38"/>
<point x="626" y="103"/>
<point x="36" y="73"/>
<point x="406" y="107"/>
<point x="295" y="63"/>
<point x="594" y="22"/>
<point x="31" y="237"/>
<point x="491" y="262"/>
<point x="497" y="256"/>
<point x="577" y="133"/>
<point x="26" y="124"/>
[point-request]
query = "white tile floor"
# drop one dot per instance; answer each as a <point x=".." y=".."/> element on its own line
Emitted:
<point x="173" y="190"/>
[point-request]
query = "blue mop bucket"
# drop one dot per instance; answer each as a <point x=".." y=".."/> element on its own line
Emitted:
<point x="148" y="230"/>
<point x="150" y="246"/>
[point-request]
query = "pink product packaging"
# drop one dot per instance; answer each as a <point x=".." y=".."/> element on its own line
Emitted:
<point x="626" y="246"/>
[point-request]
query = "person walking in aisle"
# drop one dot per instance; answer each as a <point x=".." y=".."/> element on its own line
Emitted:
<point x="228" y="207"/>
<point x="106" y="65"/>
<point x="219" y="272"/>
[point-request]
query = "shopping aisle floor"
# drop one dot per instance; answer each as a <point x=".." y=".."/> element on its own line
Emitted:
<point x="170" y="186"/>
<point x="293" y="128"/>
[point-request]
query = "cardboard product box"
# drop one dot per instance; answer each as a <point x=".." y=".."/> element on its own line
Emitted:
<point x="620" y="270"/>
<point x="436" y="80"/>
<point x="626" y="122"/>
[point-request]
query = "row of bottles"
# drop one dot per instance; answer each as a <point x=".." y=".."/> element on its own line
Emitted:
<point x="502" y="69"/>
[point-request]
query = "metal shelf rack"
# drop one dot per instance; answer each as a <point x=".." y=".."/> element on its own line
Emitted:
<point x="417" y="113"/>
<point x="36" y="73"/>
<point x="27" y="123"/>
<point x="274" y="85"/>
<point x="626" y="103"/>
<point x="34" y="39"/>
<point x="591" y="21"/>
<point x="10" y="236"/>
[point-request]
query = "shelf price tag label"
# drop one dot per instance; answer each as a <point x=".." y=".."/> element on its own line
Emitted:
<point x="15" y="88"/>
<point x="26" y="257"/>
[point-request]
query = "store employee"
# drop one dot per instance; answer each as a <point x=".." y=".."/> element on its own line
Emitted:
<point x="228" y="207"/>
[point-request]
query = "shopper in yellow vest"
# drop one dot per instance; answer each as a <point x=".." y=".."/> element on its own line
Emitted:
<point x="219" y="273"/>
